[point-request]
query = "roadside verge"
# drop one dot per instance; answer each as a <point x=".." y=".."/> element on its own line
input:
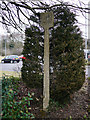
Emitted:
<point x="10" y="73"/>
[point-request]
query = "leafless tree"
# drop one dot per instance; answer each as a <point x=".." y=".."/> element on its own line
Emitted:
<point x="19" y="12"/>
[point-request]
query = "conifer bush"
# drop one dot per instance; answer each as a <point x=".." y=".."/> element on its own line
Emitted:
<point x="31" y="70"/>
<point x="66" y="55"/>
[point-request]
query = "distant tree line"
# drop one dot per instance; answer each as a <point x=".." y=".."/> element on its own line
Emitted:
<point x="13" y="46"/>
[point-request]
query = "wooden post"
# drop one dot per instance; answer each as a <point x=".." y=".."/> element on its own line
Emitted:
<point x="47" y="21"/>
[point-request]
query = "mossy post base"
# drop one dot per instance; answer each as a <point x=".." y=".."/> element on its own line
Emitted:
<point x="47" y="20"/>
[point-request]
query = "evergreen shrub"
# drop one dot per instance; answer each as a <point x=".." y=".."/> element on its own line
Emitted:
<point x="31" y="70"/>
<point x="13" y="107"/>
<point x="66" y="55"/>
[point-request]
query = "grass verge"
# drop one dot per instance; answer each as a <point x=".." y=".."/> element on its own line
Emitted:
<point x="10" y="73"/>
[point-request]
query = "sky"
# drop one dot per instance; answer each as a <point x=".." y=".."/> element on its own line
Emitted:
<point x="80" y="18"/>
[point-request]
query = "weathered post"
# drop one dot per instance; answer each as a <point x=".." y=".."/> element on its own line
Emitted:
<point x="47" y="21"/>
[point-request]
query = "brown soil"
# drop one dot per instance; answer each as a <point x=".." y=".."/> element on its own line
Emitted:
<point x="77" y="108"/>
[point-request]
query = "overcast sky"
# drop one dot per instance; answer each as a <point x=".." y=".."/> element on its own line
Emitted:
<point x="80" y="18"/>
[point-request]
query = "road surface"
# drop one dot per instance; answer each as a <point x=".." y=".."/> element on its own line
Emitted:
<point x="17" y="67"/>
<point x="11" y="67"/>
<point x="87" y="70"/>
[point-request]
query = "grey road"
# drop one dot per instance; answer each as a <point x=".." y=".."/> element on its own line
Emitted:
<point x="88" y="70"/>
<point x="17" y="67"/>
<point x="11" y="67"/>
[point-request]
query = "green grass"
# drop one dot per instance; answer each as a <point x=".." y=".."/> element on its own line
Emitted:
<point x="88" y="63"/>
<point x="10" y="73"/>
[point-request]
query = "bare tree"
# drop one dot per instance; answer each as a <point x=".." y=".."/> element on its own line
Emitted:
<point x="16" y="12"/>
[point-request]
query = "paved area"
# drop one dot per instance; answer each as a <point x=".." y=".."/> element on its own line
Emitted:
<point x="11" y="67"/>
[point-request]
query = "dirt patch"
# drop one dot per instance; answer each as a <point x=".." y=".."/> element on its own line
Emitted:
<point x="77" y="108"/>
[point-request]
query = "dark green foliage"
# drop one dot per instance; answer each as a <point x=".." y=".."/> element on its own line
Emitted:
<point x="11" y="45"/>
<point x="31" y="70"/>
<point x="66" y="55"/>
<point x="12" y="106"/>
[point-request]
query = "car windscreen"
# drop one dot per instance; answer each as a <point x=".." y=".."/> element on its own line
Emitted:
<point x="8" y="57"/>
<point x="11" y="57"/>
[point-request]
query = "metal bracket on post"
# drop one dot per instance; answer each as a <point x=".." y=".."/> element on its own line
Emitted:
<point x="47" y="21"/>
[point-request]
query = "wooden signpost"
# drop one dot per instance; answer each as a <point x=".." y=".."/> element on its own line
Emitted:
<point x="47" y="21"/>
